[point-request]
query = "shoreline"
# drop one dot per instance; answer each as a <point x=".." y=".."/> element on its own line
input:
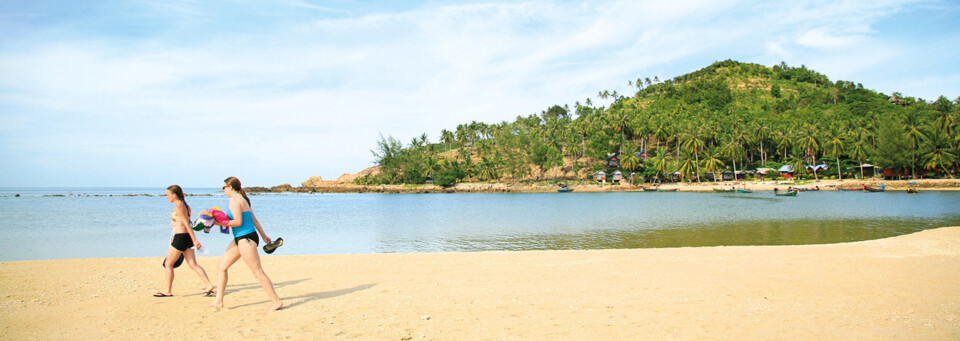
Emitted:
<point x="593" y="187"/>
<point x="902" y="287"/>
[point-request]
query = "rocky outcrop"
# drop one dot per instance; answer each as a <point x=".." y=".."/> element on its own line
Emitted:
<point x="348" y="178"/>
<point x="314" y="181"/>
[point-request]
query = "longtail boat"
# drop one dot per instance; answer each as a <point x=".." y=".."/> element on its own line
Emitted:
<point x="668" y="190"/>
<point x="802" y="189"/>
<point x="786" y="194"/>
<point x="874" y="189"/>
<point x="565" y="190"/>
<point x="741" y="190"/>
<point x="647" y="189"/>
<point x="721" y="190"/>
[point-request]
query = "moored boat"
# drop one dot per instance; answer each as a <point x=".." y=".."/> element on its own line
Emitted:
<point x="743" y="190"/>
<point x="565" y="190"/>
<point x="648" y="189"/>
<point x="667" y="190"/>
<point x="874" y="189"/>
<point x="786" y="194"/>
<point x="850" y="189"/>
<point x="721" y="190"/>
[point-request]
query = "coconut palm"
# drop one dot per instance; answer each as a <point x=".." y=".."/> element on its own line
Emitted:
<point x="629" y="161"/>
<point x="661" y="164"/>
<point x="916" y="137"/>
<point x="732" y="150"/>
<point x="859" y="152"/>
<point x="686" y="167"/>
<point x="810" y="144"/>
<point x="940" y="153"/>
<point x="712" y="164"/>
<point x="761" y="133"/>
<point x="835" y="148"/>
<point x="694" y="144"/>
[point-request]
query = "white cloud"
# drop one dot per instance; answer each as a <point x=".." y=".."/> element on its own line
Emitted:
<point x="313" y="94"/>
<point x="821" y="38"/>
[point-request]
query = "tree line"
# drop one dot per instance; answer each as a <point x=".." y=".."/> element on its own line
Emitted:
<point x="729" y="115"/>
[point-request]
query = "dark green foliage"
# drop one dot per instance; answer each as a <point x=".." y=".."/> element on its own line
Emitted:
<point x="748" y="115"/>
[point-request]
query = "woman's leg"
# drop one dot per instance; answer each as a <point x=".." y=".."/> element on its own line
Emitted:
<point x="229" y="257"/>
<point x="191" y="258"/>
<point x="172" y="256"/>
<point x="248" y="250"/>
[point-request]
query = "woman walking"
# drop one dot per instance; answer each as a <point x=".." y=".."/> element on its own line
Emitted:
<point x="181" y="242"/>
<point x="245" y="227"/>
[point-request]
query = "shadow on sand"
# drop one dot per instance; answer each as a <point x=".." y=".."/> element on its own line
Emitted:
<point x="312" y="297"/>
<point x="232" y="288"/>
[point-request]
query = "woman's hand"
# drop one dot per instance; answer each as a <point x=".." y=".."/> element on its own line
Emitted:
<point x="267" y="239"/>
<point x="196" y="245"/>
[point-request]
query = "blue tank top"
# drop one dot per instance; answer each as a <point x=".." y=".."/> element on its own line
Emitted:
<point x="247" y="226"/>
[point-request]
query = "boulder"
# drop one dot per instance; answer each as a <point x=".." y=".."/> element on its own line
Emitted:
<point x="314" y="181"/>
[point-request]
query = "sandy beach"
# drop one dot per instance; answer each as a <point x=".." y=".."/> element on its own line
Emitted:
<point x="901" y="288"/>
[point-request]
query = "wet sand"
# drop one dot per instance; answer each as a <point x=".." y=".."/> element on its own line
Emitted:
<point x="901" y="288"/>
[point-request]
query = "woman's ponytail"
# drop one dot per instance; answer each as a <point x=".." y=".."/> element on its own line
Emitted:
<point x="234" y="183"/>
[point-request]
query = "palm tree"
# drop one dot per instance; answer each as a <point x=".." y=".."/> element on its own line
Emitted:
<point x="694" y="144"/>
<point x="917" y="138"/>
<point x="733" y="151"/>
<point x="446" y="137"/>
<point x="630" y="161"/>
<point x="661" y="133"/>
<point x="811" y="145"/>
<point x="660" y="163"/>
<point x="784" y="142"/>
<point x="940" y="153"/>
<point x="762" y="133"/>
<point x="835" y="148"/>
<point x="620" y="124"/>
<point x="487" y="170"/>
<point x="859" y="152"/>
<point x="712" y="164"/>
<point x="798" y="163"/>
<point x="686" y="167"/>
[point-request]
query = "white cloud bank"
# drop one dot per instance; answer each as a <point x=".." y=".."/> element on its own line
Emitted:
<point x="195" y="100"/>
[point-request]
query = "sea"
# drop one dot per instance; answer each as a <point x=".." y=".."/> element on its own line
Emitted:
<point x="59" y="223"/>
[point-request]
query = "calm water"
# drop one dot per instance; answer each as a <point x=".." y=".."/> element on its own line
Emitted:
<point x="105" y="222"/>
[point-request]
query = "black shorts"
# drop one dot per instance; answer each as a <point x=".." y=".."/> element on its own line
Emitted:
<point x="181" y="242"/>
<point x="252" y="236"/>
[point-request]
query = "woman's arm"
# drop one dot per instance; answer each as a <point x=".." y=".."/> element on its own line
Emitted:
<point x="184" y="219"/>
<point x="256" y="223"/>
<point x="237" y="211"/>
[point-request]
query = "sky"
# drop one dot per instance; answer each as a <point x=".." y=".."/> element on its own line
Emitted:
<point x="153" y="93"/>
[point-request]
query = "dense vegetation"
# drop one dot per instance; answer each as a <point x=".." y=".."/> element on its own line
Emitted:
<point x="729" y="115"/>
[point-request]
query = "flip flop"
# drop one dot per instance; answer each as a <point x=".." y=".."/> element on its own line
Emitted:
<point x="269" y="248"/>
<point x="160" y="294"/>
<point x="210" y="293"/>
<point x="175" y="264"/>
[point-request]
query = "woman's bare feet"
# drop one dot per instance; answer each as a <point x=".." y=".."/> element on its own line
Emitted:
<point x="276" y="306"/>
<point x="216" y="304"/>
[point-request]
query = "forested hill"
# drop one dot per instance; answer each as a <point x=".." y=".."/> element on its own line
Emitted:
<point x="727" y="115"/>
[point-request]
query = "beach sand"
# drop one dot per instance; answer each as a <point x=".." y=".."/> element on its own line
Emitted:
<point x="901" y="288"/>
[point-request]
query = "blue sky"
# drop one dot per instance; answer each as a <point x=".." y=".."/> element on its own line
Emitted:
<point x="153" y="93"/>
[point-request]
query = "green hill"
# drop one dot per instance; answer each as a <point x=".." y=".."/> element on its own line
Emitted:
<point x="729" y="115"/>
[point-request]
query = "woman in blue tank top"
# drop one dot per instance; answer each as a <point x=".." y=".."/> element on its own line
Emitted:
<point x="245" y="228"/>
